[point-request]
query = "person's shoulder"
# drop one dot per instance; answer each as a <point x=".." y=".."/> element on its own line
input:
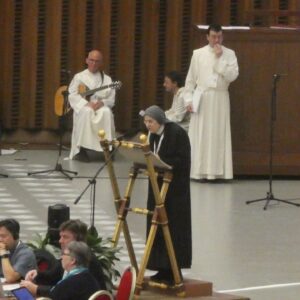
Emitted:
<point x="180" y="92"/>
<point x="174" y="127"/>
<point x="94" y="260"/>
<point x="24" y="248"/>
<point x="106" y="76"/>
<point x="86" y="276"/>
<point x="200" y="50"/>
<point x="81" y="73"/>
<point x="228" y="50"/>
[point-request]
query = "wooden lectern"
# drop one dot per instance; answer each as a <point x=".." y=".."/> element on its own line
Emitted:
<point x="143" y="161"/>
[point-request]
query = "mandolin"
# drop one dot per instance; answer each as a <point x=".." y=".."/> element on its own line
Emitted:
<point x="62" y="106"/>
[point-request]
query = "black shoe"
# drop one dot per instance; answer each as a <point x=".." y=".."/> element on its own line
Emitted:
<point x="156" y="277"/>
<point x="82" y="156"/>
<point x="164" y="276"/>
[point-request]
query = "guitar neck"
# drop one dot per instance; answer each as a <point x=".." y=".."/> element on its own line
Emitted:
<point x="91" y="92"/>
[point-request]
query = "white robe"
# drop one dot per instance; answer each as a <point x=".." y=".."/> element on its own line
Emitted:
<point x="178" y="113"/>
<point x="209" y="130"/>
<point x="86" y="121"/>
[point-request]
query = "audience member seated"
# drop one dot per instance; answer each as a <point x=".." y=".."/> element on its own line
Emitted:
<point x="16" y="257"/>
<point x="174" y="83"/>
<point x="41" y="283"/>
<point x="77" y="283"/>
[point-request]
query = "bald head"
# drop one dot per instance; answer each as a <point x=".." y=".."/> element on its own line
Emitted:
<point x="94" y="61"/>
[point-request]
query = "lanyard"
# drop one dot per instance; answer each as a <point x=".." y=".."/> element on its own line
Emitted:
<point x="73" y="272"/>
<point x="156" y="150"/>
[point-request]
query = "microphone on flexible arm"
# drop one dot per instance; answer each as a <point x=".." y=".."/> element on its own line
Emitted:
<point x="128" y="134"/>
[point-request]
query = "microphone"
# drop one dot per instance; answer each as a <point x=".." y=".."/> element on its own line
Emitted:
<point x="65" y="71"/>
<point x="128" y="134"/>
<point x="279" y="75"/>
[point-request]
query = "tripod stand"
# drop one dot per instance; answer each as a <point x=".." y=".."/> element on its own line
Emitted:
<point x="2" y="175"/>
<point x="58" y="167"/>
<point x="270" y="195"/>
<point x="92" y="184"/>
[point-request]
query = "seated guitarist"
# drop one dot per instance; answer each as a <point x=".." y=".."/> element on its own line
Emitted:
<point x="93" y="113"/>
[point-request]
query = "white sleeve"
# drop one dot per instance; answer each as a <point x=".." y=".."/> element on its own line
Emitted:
<point x="190" y="82"/>
<point x="75" y="99"/>
<point x="179" y="109"/>
<point x="227" y="66"/>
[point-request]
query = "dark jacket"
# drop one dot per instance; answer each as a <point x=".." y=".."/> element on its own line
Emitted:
<point x="46" y="280"/>
<point x="77" y="287"/>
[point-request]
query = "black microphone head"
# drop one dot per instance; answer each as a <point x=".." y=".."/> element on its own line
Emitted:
<point x="65" y="71"/>
<point x="128" y="134"/>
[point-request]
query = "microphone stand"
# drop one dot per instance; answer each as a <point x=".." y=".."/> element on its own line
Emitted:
<point x="92" y="184"/>
<point x="270" y="195"/>
<point x="2" y="175"/>
<point x="58" y="167"/>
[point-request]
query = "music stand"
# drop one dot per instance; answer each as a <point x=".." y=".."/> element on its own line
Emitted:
<point x="62" y="92"/>
<point x="147" y="162"/>
<point x="270" y="195"/>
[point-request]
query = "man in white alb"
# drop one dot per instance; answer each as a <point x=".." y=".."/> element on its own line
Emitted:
<point x="213" y="67"/>
<point x="174" y="83"/>
<point x="91" y="115"/>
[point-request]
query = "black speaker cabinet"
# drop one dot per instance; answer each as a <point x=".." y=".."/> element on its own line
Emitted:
<point x="57" y="214"/>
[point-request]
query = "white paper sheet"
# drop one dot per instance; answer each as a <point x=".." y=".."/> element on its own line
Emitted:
<point x="197" y="99"/>
<point x="8" y="151"/>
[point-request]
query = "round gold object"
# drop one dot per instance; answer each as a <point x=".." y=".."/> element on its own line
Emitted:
<point x="101" y="133"/>
<point x="143" y="138"/>
<point x="130" y="145"/>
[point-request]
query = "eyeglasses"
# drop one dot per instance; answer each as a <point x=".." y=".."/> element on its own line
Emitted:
<point x="94" y="60"/>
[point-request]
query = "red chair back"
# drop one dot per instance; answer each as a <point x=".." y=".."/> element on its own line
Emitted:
<point x="127" y="285"/>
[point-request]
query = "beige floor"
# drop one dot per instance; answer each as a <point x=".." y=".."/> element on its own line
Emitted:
<point x="241" y="248"/>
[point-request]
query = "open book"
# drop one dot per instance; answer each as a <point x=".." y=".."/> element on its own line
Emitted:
<point x="138" y="157"/>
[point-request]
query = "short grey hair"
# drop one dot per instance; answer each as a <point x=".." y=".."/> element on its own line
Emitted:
<point x="80" y="252"/>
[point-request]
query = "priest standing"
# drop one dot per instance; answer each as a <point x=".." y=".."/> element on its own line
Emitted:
<point x="212" y="68"/>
